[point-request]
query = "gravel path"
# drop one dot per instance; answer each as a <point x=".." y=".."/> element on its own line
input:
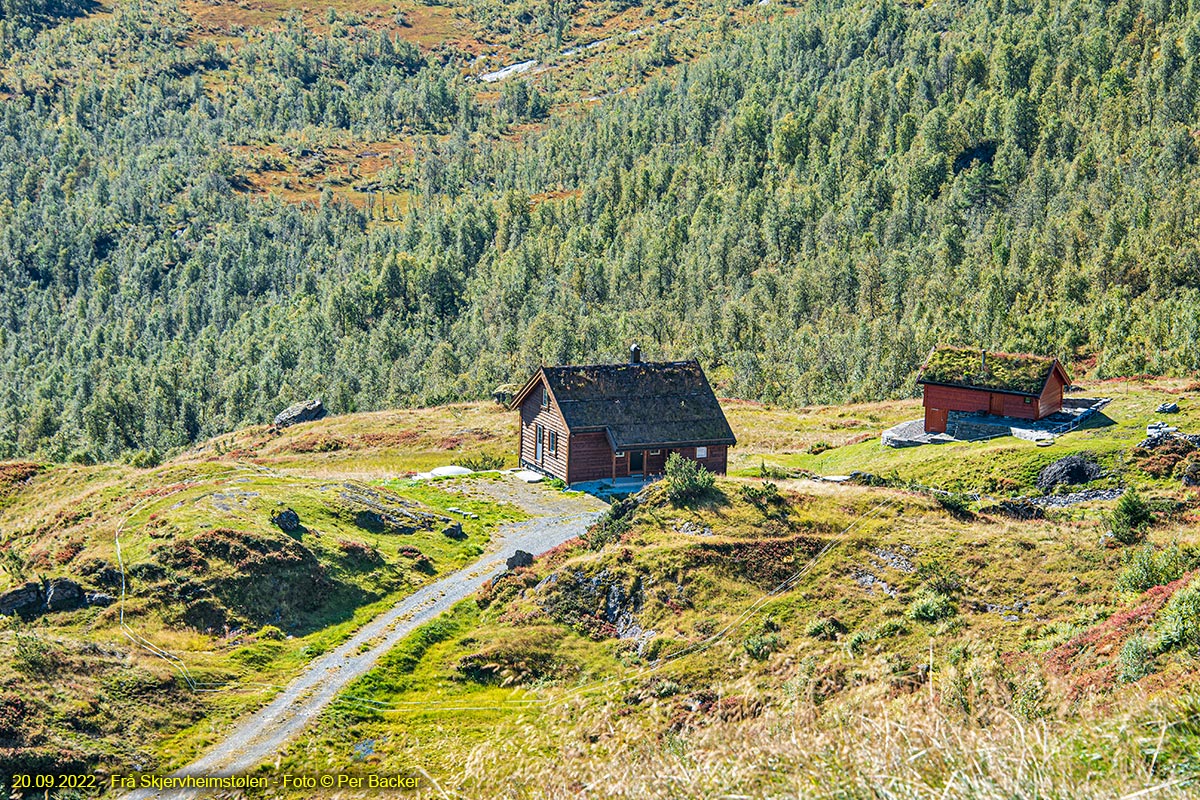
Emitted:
<point x="264" y="733"/>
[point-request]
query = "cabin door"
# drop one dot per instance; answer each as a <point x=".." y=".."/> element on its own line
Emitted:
<point x="996" y="404"/>
<point x="537" y="448"/>
<point x="637" y="462"/>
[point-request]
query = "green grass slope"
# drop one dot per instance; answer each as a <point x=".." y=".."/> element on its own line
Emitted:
<point x="218" y="595"/>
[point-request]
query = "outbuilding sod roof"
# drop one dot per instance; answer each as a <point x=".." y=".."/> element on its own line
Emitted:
<point x="640" y="405"/>
<point x="995" y="372"/>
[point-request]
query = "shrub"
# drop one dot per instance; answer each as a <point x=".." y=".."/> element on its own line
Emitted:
<point x="959" y="505"/>
<point x="1178" y="624"/>
<point x="687" y="480"/>
<point x="144" y="459"/>
<point x="611" y="526"/>
<point x="1134" y="661"/>
<point x="1146" y="568"/>
<point x="1130" y="519"/>
<point x="855" y="642"/>
<point x="358" y="550"/>
<point x="931" y="606"/>
<point x="940" y="578"/>
<point x="12" y="715"/>
<point x="762" y="645"/>
<point x="773" y="472"/>
<point x="761" y="495"/>
<point x="828" y="628"/>
<point x="483" y="462"/>
<point x="269" y="633"/>
<point x="34" y="655"/>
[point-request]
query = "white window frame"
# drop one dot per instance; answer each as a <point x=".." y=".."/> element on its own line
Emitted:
<point x="552" y="435"/>
<point x="619" y="454"/>
<point x="701" y="452"/>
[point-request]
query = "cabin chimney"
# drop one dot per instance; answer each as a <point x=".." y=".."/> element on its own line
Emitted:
<point x="635" y="354"/>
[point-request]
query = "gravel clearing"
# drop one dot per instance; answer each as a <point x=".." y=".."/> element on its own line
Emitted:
<point x="559" y="518"/>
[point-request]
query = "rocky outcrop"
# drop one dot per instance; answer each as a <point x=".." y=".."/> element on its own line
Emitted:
<point x="1069" y="471"/>
<point x="519" y="559"/>
<point x="1167" y="408"/>
<point x="23" y="600"/>
<point x="63" y="595"/>
<point x="59" y="594"/>
<point x="304" y="411"/>
<point x="286" y="520"/>
<point x="99" y="599"/>
<point x="454" y="531"/>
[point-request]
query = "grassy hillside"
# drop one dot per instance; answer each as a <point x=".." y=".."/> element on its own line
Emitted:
<point x="908" y="648"/>
<point x="755" y="641"/>
<point x="222" y="605"/>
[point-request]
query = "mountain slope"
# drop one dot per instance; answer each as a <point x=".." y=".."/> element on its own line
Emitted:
<point x="806" y="204"/>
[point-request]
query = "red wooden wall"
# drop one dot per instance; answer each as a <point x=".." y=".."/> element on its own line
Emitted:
<point x="941" y="399"/>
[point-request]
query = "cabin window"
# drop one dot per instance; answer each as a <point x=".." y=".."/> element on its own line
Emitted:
<point x="701" y="452"/>
<point x="656" y="452"/>
<point x="1028" y="401"/>
<point x="619" y="454"/>
<point x="545" y="397"/>
<point x="553" y="443"/>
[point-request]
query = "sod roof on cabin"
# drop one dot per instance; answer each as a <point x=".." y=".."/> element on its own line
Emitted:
<point x="999" y="372"/>
<point x="641" y="405"/>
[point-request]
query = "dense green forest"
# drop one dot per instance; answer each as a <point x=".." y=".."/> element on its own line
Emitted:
<point x="806" y="208"/>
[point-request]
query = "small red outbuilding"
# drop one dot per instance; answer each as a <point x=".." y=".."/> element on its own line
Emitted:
<point x="1005" y="384"/>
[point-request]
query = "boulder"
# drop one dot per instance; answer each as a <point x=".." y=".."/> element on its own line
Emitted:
<point x="1168" y="408"/>
<point x="1071" y="470"/>
<point x="454" y="531"/>
<point x="300" y="412"/>
<point x="519" y="559"/>
<point x="99" y="599"/>
<point x="1191" y="474"/>
<point x="63" y="594"/>
<point x="25" y="599"/>
<point x="286" y="520"/>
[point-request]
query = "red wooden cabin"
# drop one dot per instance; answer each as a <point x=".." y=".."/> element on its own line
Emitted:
<point x="608" y="421"/>
<point x="1005" y="384"/>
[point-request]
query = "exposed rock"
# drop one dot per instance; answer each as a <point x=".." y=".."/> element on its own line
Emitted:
<point x="1160" y="435"/>
<point x="695" y="529"/>
<point x="63" y="594"/>
<point x="1070" y="471"/>
<point x="26" y="599"/>
<point x="898" y="561"/>
<point x="1074" y="498"/>
<point x="369" y="520"/>
<point x="1167" y="408"/>
<point x="304" y="411"/>
<point x="1191" y="474"/>
<point x="454" y="531"/>
<point x="98" y="599"/>
<point x="287" y="520"/>
<point x="870" y="582"/>
<point x="519" y="559"/>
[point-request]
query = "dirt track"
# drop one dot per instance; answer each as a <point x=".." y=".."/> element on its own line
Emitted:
<point x="558" y="517"/>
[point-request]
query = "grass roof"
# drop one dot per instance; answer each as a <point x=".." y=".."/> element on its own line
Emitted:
<point x="1004" y="372"/>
